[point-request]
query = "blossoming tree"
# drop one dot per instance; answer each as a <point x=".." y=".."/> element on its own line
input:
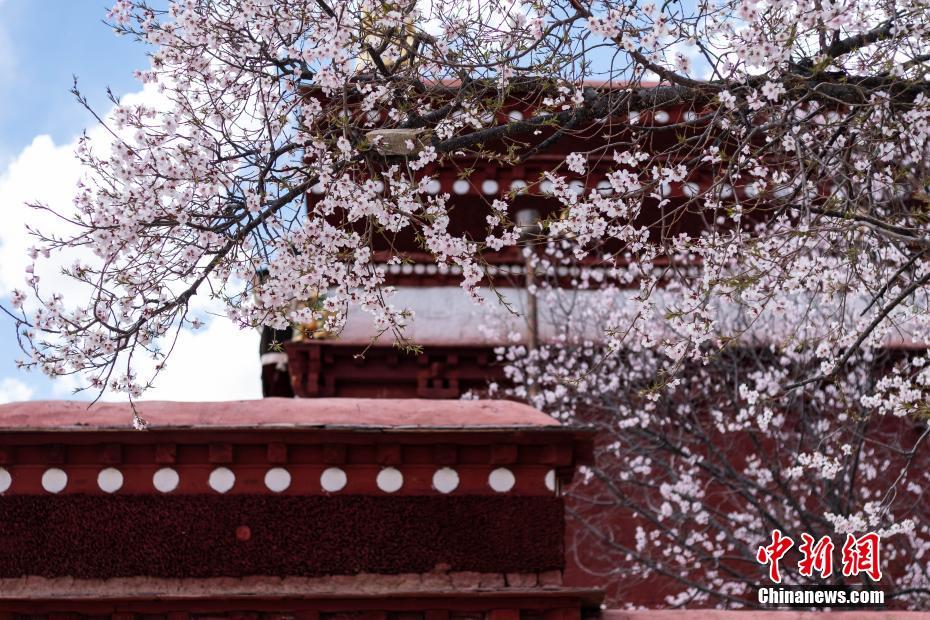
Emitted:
<point x="699" y="462"/>
<point x="801" y="154"/>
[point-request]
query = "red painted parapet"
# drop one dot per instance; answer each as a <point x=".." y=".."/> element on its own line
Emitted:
<point x="326" y="368"/>
<point x="287" y="447"/>
<point x="713" y="614"/>
<point x="323" y="499"/>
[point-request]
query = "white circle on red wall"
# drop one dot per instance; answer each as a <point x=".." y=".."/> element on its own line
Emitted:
<point x="333" y="479"/>
<point x="5" y="480"/>
<point x="54" y="480"/>
<point x="221" y="479"/>
<point x="690" y="189"/>
<point x="110" y="480"/>
<point x="277" y="479"/>
<point x="433" y="187"/>
<point x="445" y="480"/>
<point x="550" y="480"/>
<point x="166" y="480"/>
<point x="390" y="480"/>
<point x="501" y="480"/>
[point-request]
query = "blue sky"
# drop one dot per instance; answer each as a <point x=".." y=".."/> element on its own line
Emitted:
<point x="43" y="43"/>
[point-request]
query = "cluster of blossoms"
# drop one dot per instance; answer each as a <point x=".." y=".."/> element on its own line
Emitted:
<point x="757" y="251"/>
<point x="263" y="101"/>
<point x="701" y="457"/>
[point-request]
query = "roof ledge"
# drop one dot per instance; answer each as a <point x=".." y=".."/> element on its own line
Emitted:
<point x="277" y="413"/>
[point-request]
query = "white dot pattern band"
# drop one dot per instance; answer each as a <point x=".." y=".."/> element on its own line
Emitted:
<point x="501" y="480"/>
<point x="277" y="479"/>
<point x="166" y="480"/>
<point x="333" y="480"/>
<point x="222" y="479"/>
<point x="550" y="480"/>
<point x="390" y="480"/>
<point x="54" y="480"/>
<point x="445" y="480"/>
<point x="110" y="480"/>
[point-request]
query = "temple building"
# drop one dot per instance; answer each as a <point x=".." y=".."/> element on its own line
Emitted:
<point x="304" y="508"/>
<point x="361" y="488"/>
<point x="295" y="509"/>
<point x="457" y="351"/>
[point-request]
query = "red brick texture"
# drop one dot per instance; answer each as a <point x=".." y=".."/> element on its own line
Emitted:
<point x="202" y="535"/>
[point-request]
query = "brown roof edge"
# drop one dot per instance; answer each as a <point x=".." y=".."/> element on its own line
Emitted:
<point x="361" y="586"/>
<point x="279" y="413"/>
<point x="758" y="614"/>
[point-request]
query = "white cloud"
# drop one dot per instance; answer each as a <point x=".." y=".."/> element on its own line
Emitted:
<point x="12" y="390"/>
<point x="218" y="362"/>
<point x="46" y="173"/>
<point x="42" y="172"/>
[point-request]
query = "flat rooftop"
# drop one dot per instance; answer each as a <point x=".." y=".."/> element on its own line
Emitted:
<point x="324" y="413"/>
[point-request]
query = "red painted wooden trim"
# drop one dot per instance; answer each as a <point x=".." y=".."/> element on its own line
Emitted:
<point x="87" y="537"/>
<point x="431" y="603"/>
<point x="250" y="479"/>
